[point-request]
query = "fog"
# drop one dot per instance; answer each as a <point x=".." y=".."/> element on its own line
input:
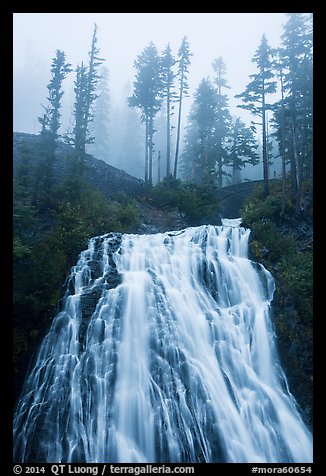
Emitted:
<point x="121" y="38"/>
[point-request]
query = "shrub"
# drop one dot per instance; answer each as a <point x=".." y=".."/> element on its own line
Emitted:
<point x="198" y="204"/>
<point x="129" y="217"/>
<point x="278" y="243"/>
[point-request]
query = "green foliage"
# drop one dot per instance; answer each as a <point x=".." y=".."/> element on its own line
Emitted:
<point x="20" y="250"/>
<point x="259" y="207"/>
<point x="296" y="277"/>
<point x="50" y="121"/>
<point x="280" y="244"/>
<point x="147" y="89"/>
<point x="128" y="217"/>
<point x="275" y="237"/>
<point x="50" y="230"/>
<point x="198" y="204"/>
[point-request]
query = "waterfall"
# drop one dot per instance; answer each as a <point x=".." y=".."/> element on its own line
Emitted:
<point x="163" y="351"/>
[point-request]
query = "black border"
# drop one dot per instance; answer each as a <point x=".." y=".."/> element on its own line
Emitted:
<point x="6" y="367"/>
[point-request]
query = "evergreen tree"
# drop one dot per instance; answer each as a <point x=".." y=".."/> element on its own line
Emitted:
<point x="200" y="148"/>
<point x="183" y="66"/>
<point x="243" y="148"/>
<point x="92" y="80"/>
<point x="190" y="159"/>
<point x="100" y="126"/>
<point x="296" y="60"/>
<point x="256" y="93"/>
<point x="147" y="97"/>
<point x="85" y="95"/>
<point x="279" y="121"/>
<point x="80" y="126"/>
<point x="167" y="63"/>
<point x="223" y="120"/>
<point x="161" y="144"/>
<point x="50" y="120"/>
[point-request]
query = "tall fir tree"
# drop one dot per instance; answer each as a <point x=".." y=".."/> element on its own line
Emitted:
<point x="50" y="120"/>
<point x="80" y="124"/>
<point x="199" y="157"/>
<point x="243" y="148"/>
<point x="296" y="60"/>
<point x="147" y="97"/>
<point x="167" y="63"/>
<point x="255" y="96"/>
<point x="223" y="119"/>
<point x="100" y="127"/>
<point x="92" y="81"/>
<point x="278" y="121"/>
<point x="183" y="60"/>
<point x="86" y="82"/>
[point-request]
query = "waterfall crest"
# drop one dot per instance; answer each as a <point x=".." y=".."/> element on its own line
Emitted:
<point x="163" y="351"/>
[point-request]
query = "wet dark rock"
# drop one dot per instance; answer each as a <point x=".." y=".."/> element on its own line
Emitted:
<point x="110" y="280"/>
<point x="96" y="269"/>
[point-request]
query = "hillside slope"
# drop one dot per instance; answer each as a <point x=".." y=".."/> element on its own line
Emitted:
<point x="56" y="212"/>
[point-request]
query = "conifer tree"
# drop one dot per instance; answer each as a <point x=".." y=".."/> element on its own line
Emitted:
<point x="199" y="158"/>
<point x="80" y="126"/>
<point x="223" y="119"/>
<point x="167" y="63"/>
<point x="147" y="97"/>
<point x="243" y="148"/>
<point x="183" y="69"/>
<point x="86" y="82"/>
<point x="50" y="120"/>
<point x="100" y="127"/>
<point x="296" y="60"/>
<point x="255" y="96"/>
<point x="279" y="119"/>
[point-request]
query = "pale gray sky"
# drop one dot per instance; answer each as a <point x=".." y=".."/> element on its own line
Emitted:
<point x="123" y="36"/>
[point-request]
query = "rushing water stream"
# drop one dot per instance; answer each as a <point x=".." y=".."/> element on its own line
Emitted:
<point x="163" y="351"/>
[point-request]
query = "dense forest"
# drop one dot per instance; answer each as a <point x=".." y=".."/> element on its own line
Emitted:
<point x="56" y="215"/>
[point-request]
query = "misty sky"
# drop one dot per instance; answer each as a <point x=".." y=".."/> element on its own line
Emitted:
<point x="123" y="36"/>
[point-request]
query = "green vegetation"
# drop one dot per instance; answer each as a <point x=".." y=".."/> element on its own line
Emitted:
<point x="52" y="225"/>
<point x="283" y="243"/>
<point x="196" y="203"/>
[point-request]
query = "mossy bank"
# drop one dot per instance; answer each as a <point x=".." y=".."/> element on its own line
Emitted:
<point x="283" y="243"/>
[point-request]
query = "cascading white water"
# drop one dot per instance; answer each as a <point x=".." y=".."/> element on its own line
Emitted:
<point x="163" y="352"/>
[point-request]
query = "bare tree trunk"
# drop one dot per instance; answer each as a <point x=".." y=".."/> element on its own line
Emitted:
<point x="146" y="150"/>
<point x="297" y="170"/>
<point x="204" y="156"/>
<point x="178" y="131"/>
<point x="236" y="177"/>
<point x="159" y="167"/>
<point x="265" y="158"/>
<point x="150" y="158"/>
<point x="219" y="140"/>
<point x="220" y="169"/>
<point x="168" y="141"/>
<point x="283" y="151"/>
